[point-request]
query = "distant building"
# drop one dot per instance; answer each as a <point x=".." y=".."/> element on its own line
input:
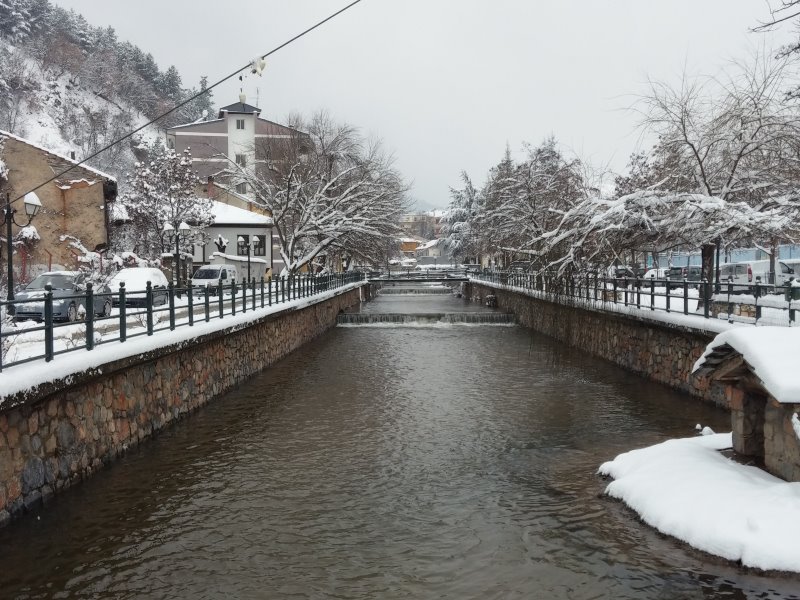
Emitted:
<point x="421" y="224"/>
<point x="432" y="249"/>
<point x="238" y="136"/>
<point x="77" y="204"/>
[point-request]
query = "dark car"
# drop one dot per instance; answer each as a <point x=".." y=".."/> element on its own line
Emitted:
<point x="692" y="274"/>
<point x="68" y="288"/>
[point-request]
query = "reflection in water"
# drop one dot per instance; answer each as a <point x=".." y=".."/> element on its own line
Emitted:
<point x="455" y="462"/>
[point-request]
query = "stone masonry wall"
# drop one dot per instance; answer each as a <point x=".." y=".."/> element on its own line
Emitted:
<point x="781" y="441"/>
<point x="64" y="433"/>
<point x="660" y="352"/>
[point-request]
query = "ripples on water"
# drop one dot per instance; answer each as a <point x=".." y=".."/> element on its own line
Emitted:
<point x="449" y="462"/>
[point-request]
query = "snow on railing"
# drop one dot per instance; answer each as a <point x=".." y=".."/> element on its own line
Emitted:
<point x="53" y="322"/>
<point x="756" y="304"/>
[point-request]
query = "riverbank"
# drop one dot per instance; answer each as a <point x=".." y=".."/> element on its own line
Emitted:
<point x="61" y="422"/>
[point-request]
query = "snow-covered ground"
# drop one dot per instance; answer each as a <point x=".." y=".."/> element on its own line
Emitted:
<point x="687" y="489"/>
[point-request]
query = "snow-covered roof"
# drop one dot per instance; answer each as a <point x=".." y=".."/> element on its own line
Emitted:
<point x="6" y="134"/>
<point x="770" y="354"/>
<point x="240" y="108"/>
<point x="426" y="245"/>
<point x="225" y="214"/>
<point x="195" y="124"/>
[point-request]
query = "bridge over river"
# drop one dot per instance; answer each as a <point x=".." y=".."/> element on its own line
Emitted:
<point x="387" y="459"/>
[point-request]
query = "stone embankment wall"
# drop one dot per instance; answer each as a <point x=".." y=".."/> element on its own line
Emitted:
<point x="52" y="439"/>
<point x="658" y="351"/>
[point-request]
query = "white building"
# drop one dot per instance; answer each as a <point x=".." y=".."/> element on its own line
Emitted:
<point x="230" y="224"/>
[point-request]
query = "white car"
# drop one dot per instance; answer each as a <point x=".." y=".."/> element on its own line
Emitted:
<point x="135" y="279"/>
<point x="660" y="273"/>
<point x="213" y="276"/>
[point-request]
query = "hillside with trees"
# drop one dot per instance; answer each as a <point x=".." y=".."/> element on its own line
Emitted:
<point x="74" y="87"/>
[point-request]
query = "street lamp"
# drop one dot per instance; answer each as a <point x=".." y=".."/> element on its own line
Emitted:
<point x="249" y="245"/>
<point x="176" y="230"/>
<point x="32" y="206"/>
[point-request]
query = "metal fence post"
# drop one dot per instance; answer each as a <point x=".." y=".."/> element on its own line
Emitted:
<point x="190" y="302"/>
<point x="757" y="296"/>
<point x="706" y="287"/>
<point x="48" y="322"/>
<point x="148" y="306"/>
<point x="262" y="291"/>
<point x="206" y="304"/>
<point x="244" y="296"/>
<point x="233" y="297"/>
<point x="89" y="316"/>
<point x="269" y="291"/>
<point x="171" y="294"/>
<point x="685" y="297"/>
<point x="123" y="317"/>
<point x="220" y="301"/>
<point x="653" y="293"/>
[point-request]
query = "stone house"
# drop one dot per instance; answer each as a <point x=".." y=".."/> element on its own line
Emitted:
<point x="76" y="204"/>
<point x="754" y="365"/>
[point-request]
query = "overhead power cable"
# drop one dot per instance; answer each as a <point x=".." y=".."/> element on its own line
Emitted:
<point x="190" y="99"/>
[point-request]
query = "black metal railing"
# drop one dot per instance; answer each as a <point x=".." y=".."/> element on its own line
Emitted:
<point x="54" y="324"/>
<point x="756" y="303"/>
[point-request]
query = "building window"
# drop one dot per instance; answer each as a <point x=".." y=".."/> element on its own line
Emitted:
<point x="239" y="123"/>
<point x="241" y="244"/>
<point x="241" y="188"/>
<point x="241" y="160"/>
<point x="259" y="245"/>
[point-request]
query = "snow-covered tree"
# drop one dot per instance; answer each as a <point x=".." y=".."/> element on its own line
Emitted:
<point x="458" y="237"/>
<point x="162" y="190"/>
<point x="328" y="191"/>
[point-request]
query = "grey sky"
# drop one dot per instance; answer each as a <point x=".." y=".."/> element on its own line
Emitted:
<point x="447" y="83"/>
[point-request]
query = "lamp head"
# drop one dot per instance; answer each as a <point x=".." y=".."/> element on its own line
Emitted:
<point x="32" y="204"/>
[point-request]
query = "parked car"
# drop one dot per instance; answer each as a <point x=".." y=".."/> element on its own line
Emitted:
<point x="135" y="279"/>
<point x="66" y="307"/>
<point x="214" y="275"/>
<point x="747" y="272"/>
<point x="692" y="273"/>
<point x="660" y="273"/>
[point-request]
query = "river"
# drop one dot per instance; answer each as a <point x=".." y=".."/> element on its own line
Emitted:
<point x="446" y="461"/>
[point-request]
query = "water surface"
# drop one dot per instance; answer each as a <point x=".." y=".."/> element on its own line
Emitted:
<point x="386" y="462"/>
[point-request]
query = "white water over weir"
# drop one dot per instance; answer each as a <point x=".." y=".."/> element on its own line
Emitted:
<point x="482" y="318"/>
<point x="414" y="290"/>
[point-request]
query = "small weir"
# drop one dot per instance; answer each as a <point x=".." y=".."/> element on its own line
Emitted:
<point x="423" y="305"/>
<point x="433" y="290"/>
<point x="477" y="318"/>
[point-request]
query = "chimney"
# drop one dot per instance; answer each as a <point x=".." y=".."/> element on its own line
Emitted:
<point x="72" y="154"/>
<point x="210" y="187"/>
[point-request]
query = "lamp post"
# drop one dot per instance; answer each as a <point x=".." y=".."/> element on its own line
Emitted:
<point x="249" y="245"/>
<point x="177" y="229"/>
<point x="32" y="206"/>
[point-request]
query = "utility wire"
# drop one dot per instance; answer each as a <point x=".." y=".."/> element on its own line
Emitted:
<point x="192" y="98"/>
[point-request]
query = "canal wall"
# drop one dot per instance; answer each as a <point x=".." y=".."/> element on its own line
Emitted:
<point x="59" y="433"/>
<point x="663" y="352"/>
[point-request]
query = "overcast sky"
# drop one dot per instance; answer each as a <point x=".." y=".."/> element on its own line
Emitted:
<point x="447" y="83"/>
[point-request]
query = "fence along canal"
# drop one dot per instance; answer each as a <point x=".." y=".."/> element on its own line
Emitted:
<point x="137" y="314"/>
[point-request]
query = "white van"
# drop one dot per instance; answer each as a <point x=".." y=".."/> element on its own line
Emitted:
<point x="212" y="275"/>
<point x="746" y="273"/>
